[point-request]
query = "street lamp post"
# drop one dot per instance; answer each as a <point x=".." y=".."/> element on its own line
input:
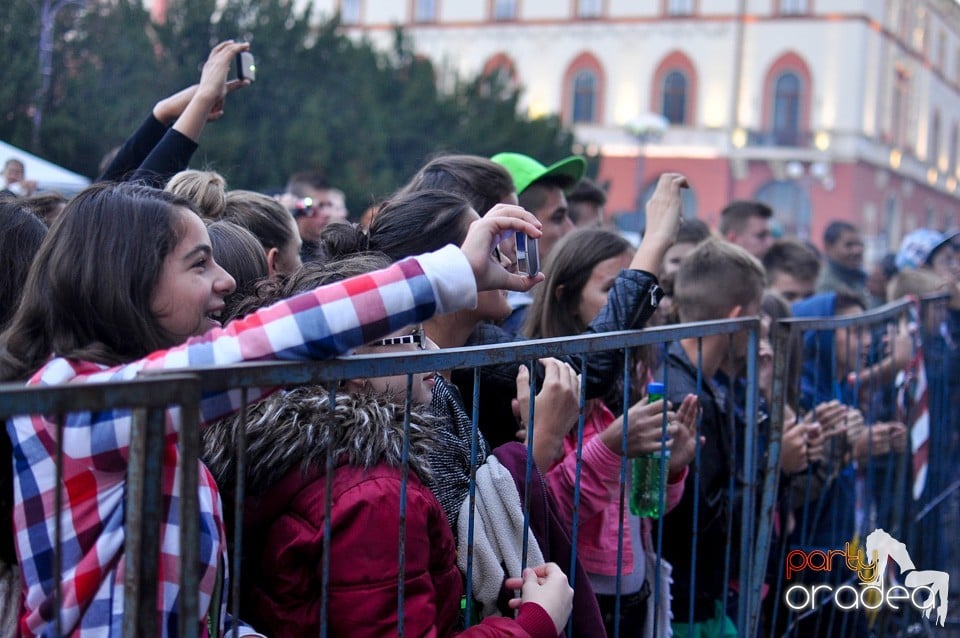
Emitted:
<point x="48" y="18"/>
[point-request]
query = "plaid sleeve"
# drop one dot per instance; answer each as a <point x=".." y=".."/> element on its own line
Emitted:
<point x="318" y="324"/>
<point x="324" y="322"/>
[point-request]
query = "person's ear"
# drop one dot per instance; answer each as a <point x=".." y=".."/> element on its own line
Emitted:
<point x="558" y="292"/>
<point x="272" y="255"/>
<point x="734" y="312"/>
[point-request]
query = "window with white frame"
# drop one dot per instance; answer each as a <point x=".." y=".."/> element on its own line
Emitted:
<point x="350" y="11"/>
<point x="504" y="9"/>
<point x="680" y="7"/>
<point x="674" y="92"/>
<point x="899" y="107"/>
<point x="589" y="8"/>
<point x="786" y="109"/>
<point x="954" y="140"/>
<point x="425" y="11"/>
<point x="584" y="97"/>
<point x="933" y="139"/>
<point x="793" y="7"/>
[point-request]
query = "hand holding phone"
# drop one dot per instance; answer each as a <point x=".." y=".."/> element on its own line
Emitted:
<point x="246" y="66"/>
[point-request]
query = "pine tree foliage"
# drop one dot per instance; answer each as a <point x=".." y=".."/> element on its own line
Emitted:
<point x="368" y="118"/>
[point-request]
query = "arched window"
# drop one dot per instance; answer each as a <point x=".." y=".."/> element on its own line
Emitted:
<point x="675" y="97"/>
<point x="589" y="8"/>
<point x="933" y="139"/>
<point x="584" y="84"/>
<point x="499" y="76"/>
<point x="504" y="9"/>
<point x="788" y="89"/>
<point x="673" y="91"/>
<point x="678" y="7"/>
<point x="790" y="204"/>
<point x="425" y="11"/>
<point x="350" y="11"/>
<point x="584" y="97"/>
<point x="891" y="228"/>
<point x="786" y="109"/>
<point x="954" y="140"/>
<point x="793" y="7"/>
<point x="899" y="107"/>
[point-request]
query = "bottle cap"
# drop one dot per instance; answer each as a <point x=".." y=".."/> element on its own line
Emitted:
<point x="655" y="387"/>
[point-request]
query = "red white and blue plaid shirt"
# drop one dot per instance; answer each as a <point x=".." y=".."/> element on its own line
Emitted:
<point x="315" y="325"/>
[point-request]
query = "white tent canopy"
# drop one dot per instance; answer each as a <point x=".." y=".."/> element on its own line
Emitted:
<point x="47" y="175"/>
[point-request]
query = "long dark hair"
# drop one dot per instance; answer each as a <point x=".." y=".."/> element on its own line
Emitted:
<point x="553" y="313"/>
<point x="88" y="292"/>
<point x="408" y="224"/>
<point x="481" y="181"/>
<point x="21" y="233"/>
<point x="265" y="217"/>
<point x="240" y="253"/>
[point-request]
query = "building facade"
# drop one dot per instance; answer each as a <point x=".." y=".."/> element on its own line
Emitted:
<point x="826" y="109"/>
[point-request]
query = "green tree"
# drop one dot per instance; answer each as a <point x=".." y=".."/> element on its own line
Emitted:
<point x="368" y="118"/>
<point x="19" y="33"/>
<point x="104" y="58"/>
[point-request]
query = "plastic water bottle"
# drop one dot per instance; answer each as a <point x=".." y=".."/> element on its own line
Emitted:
<point x="648" y="480"/>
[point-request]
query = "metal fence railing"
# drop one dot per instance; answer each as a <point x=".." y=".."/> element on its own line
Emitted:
<point x="761" y="524"/>
<point x="148" y="399"/>
<point x="886" y="472"/>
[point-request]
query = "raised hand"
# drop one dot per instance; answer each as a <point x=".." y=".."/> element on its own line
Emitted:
<point x="485" y="234"/>
<point x="664" y="211"/>
<point x="206" y="101"/>
<point x="556" y="409"/>
<point x="682" y="431"/>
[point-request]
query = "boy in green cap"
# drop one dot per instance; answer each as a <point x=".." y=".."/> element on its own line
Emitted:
<point x="541" y="190"/>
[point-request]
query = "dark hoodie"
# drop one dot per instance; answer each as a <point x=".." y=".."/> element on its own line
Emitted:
<point x="818" y="381"/>
<point x="826" y="522"/>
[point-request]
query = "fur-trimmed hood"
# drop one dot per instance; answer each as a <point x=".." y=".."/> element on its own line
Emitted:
<point x="294" y="428"/>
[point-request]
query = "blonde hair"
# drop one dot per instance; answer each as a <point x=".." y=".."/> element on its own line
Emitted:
<point x="206" y="189"/>
<point x="714" y="278"/>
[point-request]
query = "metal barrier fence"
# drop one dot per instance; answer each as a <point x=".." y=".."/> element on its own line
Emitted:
<point x="752" y="489"/>
<point x="148" y="399"/>
<point x="886" y="490"/>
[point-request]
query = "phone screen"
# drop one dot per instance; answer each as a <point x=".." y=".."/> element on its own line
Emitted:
<point x="246" y="66"/>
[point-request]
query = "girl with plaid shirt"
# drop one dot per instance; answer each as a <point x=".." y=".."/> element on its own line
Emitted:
<point x="126" y="283"/>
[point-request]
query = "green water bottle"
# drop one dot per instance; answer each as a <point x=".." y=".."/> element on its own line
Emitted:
<point x="648" y="480"/>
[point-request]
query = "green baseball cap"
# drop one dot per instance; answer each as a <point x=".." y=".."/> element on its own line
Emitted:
<point x="525" y="170"/>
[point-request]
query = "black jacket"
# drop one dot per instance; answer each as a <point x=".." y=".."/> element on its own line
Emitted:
<point x="633" y="298"/>
<point x="719" y="425"/>
<point x="152" y="155"/>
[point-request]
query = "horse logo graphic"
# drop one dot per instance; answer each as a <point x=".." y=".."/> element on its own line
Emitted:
<point x="882" y="547"/>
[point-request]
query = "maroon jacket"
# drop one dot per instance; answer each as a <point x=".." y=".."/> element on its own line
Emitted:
<point x="284" y="528"/>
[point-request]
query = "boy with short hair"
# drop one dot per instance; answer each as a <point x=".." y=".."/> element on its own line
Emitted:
<point x="746" y="223"/>
<point x="792" y="269"/>
<point x="717" y="280"/>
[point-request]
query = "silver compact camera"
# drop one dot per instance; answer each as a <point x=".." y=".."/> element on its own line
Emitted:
<point x="528" y="255"/>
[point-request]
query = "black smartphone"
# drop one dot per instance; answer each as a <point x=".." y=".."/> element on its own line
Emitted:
<point x="528" y="255"/>
<point x="246" y="66"/>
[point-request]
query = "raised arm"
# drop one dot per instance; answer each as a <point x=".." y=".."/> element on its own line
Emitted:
<point x="156" y="150"/>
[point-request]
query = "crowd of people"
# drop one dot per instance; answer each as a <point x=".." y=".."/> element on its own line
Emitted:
<point x="161" y="267"/>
